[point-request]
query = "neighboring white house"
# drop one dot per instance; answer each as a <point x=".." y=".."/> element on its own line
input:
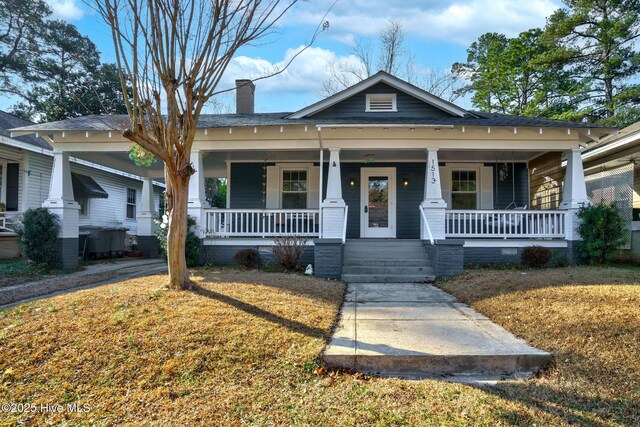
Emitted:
<point x="106" y="196"/>
<point x="612" y="170"/>
<point x="382" y="159"/>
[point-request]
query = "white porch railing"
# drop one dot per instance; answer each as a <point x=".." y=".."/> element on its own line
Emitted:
<point x="262" y="223"/>
<point x="504" y="224"/>
<point x="5" y="224"/>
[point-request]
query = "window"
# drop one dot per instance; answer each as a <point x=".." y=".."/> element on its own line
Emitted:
<point x="84" y="205"/>
<point x="131" y="203"/>
<point x="294" y="189"/>
<point x="381" y="102"/>
<point x="161" y="203"/>
<point x="464" y="194"/>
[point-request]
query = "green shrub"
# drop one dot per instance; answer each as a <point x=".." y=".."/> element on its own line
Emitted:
<point x="602" y="231"/>
<point x="38" y="231"/>
<point x="249" y="258"/>
<point x="192" y="243"/>
<point x="536" y="256"/>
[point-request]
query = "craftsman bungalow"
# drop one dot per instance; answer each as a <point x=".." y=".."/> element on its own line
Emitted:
<point x="381" y="160"/>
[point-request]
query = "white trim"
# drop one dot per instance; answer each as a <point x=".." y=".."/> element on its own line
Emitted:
<point x="500" y="243"/>
<point x="3" y="181"/>
<point x="373" y="80"/>
<point x="632" y="137"/>
<point x="244" y="241"/>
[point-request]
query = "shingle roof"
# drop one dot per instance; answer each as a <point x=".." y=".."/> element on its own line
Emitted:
<point x="8" y="121"/>
<point x="104" y="123"/>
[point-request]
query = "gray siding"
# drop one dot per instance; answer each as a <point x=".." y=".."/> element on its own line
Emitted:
<point x="503" y="190"/>
<point x="246" y="185"/>
<point x="408" y="106"/>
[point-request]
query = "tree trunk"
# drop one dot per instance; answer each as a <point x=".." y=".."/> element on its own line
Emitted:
<point x="177" y="235"/>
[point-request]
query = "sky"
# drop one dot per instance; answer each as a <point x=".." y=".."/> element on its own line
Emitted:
<point x="437" y="33"/>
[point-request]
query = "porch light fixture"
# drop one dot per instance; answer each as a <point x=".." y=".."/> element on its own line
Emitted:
<point x="352" y="182"/>
<point x="370" y="158"/>
<point x="405" y="182"/>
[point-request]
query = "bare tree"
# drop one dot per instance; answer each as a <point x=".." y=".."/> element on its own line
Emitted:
<point x="174" y="53"/>
<point x="393" y="54"/>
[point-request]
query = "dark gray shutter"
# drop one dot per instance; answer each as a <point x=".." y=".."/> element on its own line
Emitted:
<point x="13" y="177"/>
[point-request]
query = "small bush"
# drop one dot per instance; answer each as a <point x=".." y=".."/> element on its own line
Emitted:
<point x="559" y="258"/>
<point x="602" y="231"/>
<point x="536" y="256"/>
<point x="192" y="243"/>
<point x="250" y="258"/>
<point x="288" y="250"/>
<point x="38" y="231"/>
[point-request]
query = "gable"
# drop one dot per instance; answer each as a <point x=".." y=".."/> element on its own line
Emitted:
<point x="407" y="106"/>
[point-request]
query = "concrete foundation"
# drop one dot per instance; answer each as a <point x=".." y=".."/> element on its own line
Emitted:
<point x="328" y="255"/>
<point x="68" y="252"/>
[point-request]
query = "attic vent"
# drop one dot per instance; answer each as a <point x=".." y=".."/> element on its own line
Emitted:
<point x="381" y="102"/>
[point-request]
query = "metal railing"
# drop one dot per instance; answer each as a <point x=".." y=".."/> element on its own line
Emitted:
<point x="505" y="223"/>
<point x="425" y="223"/>
<point x="262" y="222"/>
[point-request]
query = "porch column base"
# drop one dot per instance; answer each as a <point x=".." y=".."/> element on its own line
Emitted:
<point x="446" y="256"/>
<point x="149" y="246"/>
<point x="67" y="245"/>
<point x="328" y="254"/>
<point x="68" y="250"/>
<point x="333" y="218"/>
<point x="435" y="212"/>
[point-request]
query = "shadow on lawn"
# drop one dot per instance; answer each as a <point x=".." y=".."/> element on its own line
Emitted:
<point x="566" y="404"/>
<point x="256" y="311"/>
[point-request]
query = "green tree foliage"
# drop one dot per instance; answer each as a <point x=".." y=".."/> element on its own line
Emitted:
<point x="596" y="42"/>
<point x="602" y="231"/>
<point x="38" y="231"/>
<point x="192" y="244"/>
<point x="506" y="76"/>
<point x="216" y="192"/>
<point x="21" y="22"/>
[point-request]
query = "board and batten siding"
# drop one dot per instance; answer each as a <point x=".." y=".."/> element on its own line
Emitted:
<point x="407" y="106"/>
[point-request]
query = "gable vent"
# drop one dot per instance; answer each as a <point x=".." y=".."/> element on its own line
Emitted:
<point x="382" y="102"/>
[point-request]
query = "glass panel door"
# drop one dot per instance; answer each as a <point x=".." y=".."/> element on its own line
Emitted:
<point x="378" y="202"/>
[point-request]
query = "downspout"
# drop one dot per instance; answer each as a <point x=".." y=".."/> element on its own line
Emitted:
<point x="321" y="180"/>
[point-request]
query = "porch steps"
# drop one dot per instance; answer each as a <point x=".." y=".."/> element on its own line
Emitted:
<point x="386" y="261"/>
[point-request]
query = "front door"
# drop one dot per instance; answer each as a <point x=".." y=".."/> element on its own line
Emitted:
<point x="378" y="202"/>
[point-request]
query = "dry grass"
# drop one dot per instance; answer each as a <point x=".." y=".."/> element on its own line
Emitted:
<point x="588" y="317"/>
<point x="242" y="350"/>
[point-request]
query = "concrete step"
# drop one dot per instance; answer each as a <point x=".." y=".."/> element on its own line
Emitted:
<point x="376" y="270"/>
<point x="388" y="278"/>
<point x="407" y="262"/>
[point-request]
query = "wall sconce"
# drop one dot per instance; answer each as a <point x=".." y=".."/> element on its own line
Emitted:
<point x="333" y="164"/>
<point x="352" y="182"/>
<point x="405" y="182"/>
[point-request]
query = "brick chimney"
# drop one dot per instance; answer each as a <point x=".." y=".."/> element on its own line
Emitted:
<point x="245" y="90"/>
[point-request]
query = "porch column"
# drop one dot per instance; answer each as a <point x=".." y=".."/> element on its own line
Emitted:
<point x="333" y="205"/>
<point x="62" y="203"/>
<point x="433" y="205"/>
<point x="197" y="197"/>
<point x="147" y="241"/>
<point x="574" y="195"/>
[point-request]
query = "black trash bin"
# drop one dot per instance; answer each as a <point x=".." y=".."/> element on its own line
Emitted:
<point x="104" y="241"/>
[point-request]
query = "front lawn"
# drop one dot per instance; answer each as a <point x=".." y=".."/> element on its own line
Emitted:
<point x="243" y="347"/>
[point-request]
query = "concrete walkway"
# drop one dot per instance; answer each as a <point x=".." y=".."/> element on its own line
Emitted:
<point x="91" y="275"/>
<point x="407" y="329"/>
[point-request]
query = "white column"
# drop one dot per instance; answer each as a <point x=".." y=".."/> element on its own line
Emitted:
<point x="574" y="193"/>
<point x="333" y="205"/>
<point x="433" y="205"/>
<point x="61" y="200"/>
<point x="147" y="212"/>
<point x="197" y="197"/>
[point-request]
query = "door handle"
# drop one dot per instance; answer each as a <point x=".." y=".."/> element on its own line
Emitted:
<point x="366" y="208"/>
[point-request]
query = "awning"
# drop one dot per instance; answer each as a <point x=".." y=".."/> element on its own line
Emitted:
<point x="85" y="186"/>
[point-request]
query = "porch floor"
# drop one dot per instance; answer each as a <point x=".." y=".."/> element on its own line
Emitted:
<point x="410" y="329"/>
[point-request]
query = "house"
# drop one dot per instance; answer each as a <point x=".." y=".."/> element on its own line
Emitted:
<point x="104" y="196"/>
<point x="382" y="162"/>
<point x="612" y="171"/>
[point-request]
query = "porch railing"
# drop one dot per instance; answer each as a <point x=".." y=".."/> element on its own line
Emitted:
<point x="5" y="224"/>
<point x="504" y="223"/>
<point x="262" y="223"/>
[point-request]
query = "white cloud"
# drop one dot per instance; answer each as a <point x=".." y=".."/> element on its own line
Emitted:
<point x="66" y="9"/>
<point x="460" y="21"/>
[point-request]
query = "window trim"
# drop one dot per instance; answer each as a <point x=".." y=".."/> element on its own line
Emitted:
<point x="281" y="191"/>
<point x="134" y="204"/>
<point x="86" y="201"/>
<point x="3" y="180"/>
<point x="394" y="102"/>
<point x="476" y="192"/>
